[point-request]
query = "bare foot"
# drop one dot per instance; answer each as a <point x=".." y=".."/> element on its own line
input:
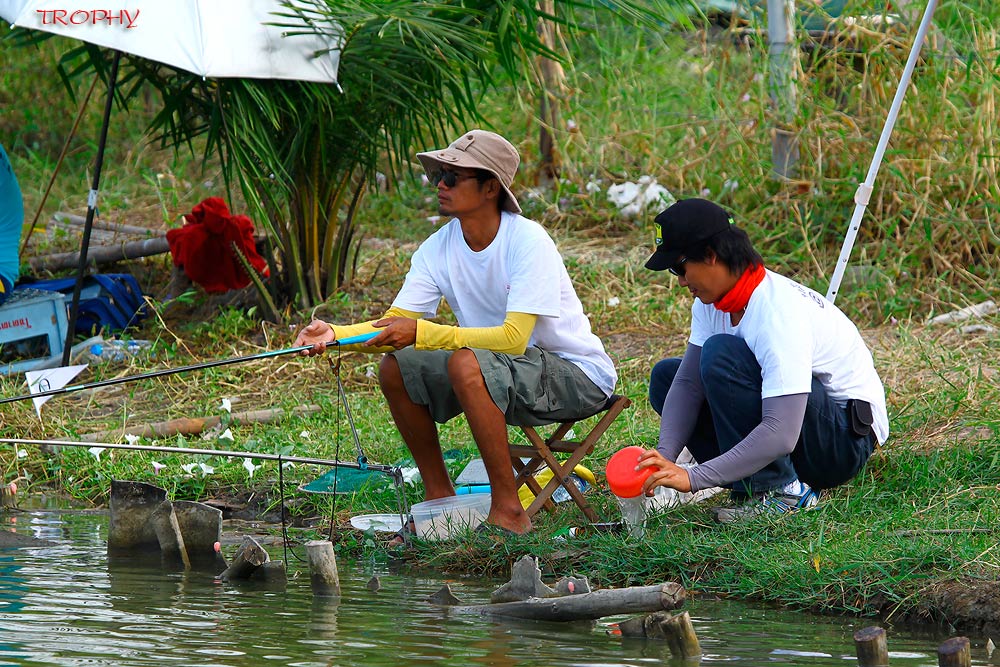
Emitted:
<point x="517" y="523"/>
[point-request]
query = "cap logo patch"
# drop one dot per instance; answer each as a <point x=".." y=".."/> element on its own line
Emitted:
<point x="659" y="235"/>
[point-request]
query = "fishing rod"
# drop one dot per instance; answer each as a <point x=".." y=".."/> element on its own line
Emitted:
<point x="181" y="369"/>
<point x="392" y="471"/>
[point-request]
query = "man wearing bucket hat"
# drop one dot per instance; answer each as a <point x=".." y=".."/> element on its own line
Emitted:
<point x="776" y="395"/>
<point x="522" y="351"/>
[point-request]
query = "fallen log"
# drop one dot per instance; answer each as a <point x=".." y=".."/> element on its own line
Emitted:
<point x="101" y="254"/>
<point x="69" y="221"/>
<point x="588" y="606"/>
<point x="195" y="425"/>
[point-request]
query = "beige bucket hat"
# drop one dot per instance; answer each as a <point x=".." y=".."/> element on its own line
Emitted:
<point x="479" y="149"/>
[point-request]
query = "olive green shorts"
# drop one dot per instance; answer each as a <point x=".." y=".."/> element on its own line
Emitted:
<point x="531" y="389"/>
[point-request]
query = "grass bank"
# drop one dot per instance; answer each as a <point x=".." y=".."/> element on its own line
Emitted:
<point x="690" y="110"/>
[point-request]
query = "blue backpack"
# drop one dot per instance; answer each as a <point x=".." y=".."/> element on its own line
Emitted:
<point x="109" y="302"/>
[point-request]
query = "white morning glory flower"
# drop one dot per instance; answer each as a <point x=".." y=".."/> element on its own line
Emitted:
<point x="248" y="464"/>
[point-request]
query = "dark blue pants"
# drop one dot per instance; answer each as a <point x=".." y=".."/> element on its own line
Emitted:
<point x="827" y="453"/>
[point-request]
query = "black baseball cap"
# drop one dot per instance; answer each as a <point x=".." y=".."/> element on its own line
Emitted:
<point x="683" y="225"/>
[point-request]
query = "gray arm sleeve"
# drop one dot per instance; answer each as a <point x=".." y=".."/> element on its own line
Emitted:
<point x="774" y="437"/>
<point x="680" y="409"/>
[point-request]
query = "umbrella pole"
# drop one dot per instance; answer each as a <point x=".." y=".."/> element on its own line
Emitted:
<point x="91" y="210"/>
<point x="864" y="190"/>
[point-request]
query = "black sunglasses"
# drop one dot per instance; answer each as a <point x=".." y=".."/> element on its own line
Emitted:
<point x="678" y="268"/>
<point x="449" y="178"/>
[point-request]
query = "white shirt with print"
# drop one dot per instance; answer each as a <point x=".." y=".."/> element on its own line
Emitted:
<point x="797" y="335"/>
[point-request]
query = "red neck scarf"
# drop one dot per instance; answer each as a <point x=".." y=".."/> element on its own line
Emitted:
<point x="738" y="297"/>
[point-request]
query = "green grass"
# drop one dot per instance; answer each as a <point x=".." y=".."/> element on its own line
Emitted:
<point x="691" y="111"/>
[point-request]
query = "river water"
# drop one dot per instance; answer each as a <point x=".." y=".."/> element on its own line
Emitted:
<point x="69" y="605"/>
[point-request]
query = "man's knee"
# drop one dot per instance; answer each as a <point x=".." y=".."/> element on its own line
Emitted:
<point x="464" y="370"/>
<point x="390" y="377"/>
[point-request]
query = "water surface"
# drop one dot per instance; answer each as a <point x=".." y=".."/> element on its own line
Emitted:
<point x="68" y="604"/>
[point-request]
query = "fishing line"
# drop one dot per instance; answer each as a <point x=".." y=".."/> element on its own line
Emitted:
<point x="336" y="454"/>
<point x="284" y="528"/>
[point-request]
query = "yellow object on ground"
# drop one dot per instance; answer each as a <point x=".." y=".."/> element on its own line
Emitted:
<point x="543" y="477"/>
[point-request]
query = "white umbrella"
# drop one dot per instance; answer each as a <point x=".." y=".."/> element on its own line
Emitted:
<point x="213" y="38"/>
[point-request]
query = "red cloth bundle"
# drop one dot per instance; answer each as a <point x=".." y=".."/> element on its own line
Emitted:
<point x="203" y="247"/>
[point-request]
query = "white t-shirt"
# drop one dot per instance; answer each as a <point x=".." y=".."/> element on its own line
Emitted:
<point x="797" y="335"/>
<point x="520" y="271"/>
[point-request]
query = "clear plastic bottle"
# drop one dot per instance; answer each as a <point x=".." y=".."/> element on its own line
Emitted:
<point x="118" y="351"/>
<point x="634" y="514"/>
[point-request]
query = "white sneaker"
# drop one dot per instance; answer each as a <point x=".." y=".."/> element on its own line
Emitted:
<point x="793" y="497"/>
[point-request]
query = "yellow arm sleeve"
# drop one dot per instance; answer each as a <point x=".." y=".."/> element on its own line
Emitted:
<point x="348" y="330"/>
<point x="510" y="337"/>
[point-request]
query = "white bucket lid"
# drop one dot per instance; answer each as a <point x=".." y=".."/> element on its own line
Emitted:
<point x="380" y="523"/>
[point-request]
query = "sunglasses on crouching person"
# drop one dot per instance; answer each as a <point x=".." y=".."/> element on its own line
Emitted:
<point x="678" y="268"/>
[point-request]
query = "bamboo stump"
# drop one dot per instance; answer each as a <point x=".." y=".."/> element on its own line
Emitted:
<point x="871" y="647"/>
<point x="634" y="627"/>
<point x="955" y="652"/>
<point x="680" y="635"/>
<point x="131" y="526"/>
<point x="249" y="557"/>
<point x="675" y="629"/>
<point x="168" y="534"/>
<point x="525" y="582"/>
<point x="323" y="568"/>
<point x="272" y="573"/>
<point x="201" y="528"/>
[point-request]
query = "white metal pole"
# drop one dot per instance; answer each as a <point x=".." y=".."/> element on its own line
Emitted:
<point x="864" y="191"/>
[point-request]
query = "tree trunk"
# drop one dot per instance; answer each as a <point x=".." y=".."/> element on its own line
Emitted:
<point x="783" y="53"/>
<point x="552" y="80"/>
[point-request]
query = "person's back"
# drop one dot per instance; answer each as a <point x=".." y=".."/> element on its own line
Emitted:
<point x="11" y="220"/>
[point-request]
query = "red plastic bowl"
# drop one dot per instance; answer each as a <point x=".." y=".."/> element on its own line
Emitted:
<point x="625" y="481"/>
